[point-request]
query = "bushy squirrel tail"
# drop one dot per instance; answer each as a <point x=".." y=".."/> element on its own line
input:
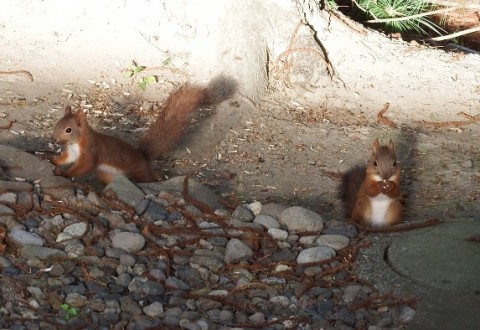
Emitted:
<point x="349" y="187"/>
<point x="170" y="123"/>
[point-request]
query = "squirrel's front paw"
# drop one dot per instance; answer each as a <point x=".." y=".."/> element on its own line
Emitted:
<point x="55" y="160"/>
<point x="58" y="171"/>
<point x="387" y="186"/>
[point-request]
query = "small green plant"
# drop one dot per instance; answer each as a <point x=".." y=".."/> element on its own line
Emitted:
<point x="71" y="311"/>
<point x="144" y="81"/>
<point x="167" y="61"/>
<point x="135" y="69"/>
<point x="400" y="15"/>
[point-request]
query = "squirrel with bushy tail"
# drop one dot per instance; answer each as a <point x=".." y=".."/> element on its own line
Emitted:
<point x="371" y="194"/>
<point x="85" y="150"/>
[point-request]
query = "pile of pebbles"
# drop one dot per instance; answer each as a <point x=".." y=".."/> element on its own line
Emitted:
<point x="169" y="255"/>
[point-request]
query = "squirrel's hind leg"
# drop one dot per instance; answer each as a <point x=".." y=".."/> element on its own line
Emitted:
<point x="394" y="213"/>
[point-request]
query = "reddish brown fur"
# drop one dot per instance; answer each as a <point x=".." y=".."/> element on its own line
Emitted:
<point x="97" y="149"/>
<point x="167" y="129"/>
<point x="357" y="197"/>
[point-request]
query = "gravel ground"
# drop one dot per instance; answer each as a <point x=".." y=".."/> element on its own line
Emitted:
<point x="173" y="255"/>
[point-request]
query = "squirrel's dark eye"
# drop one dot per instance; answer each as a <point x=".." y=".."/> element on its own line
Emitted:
<point x="68" y="130"/>
<point x="375" y="163"/>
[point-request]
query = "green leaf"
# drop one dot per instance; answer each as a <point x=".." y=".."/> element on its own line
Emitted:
<point x="138" y="69"/>
<point x="150" y="80"/>
<point x="72" y="312"/>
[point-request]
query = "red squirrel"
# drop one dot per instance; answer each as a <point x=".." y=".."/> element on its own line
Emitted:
<point x="85" y="150"/>
<point x="372" y="194"/>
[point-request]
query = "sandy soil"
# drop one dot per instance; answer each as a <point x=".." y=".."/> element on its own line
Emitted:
<point x="291" y="145"/>
<point x="283" y="151"/>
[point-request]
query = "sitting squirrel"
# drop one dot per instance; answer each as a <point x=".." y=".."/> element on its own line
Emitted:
<point x="372" y="194"/>
<point x="86" y="150"/>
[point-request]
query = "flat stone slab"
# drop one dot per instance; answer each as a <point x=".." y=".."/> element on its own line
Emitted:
<point x="19" y="163"/>
<point x="442" y="309"/>
<point x="440" y="257"/>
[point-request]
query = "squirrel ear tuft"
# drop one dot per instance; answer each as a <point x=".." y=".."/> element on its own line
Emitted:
<point x="376" y="145"/>
<point x="391" y="145"/>
<point x="68" y="110"/>
<point x="80" y="116"/>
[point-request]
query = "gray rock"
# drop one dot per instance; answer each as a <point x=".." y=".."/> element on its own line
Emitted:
<point x="267" y="221"/>
<point x="93" y="198"/>
<point x="112" y="306"/>
<point x="154" y="310"/>
<point x="242" y="213"/>
<point x="213" y="315"/>
<point x="196" y="190"/>
<point x="18" y="163"/>
<point x="53" y="223"/>
<point x="336" y="242"/>
<point x="241" y="225"/>
<point x="21" y="237"/>
<point x="272" y="280"/>
<point x="145" y="287"/>
<point x="281" y="300"/>
<point x="255" y="207"/>
<point x="141" y="206"/>
<point x="4" y="262"/>
<point x="187" y="324"/>
<point x="123" y="280"/>
<point x="325" y="307"/>
<point x="225" y="316"/>
<point x="213" y="264"/>
<point x="15" y="186"/>
<point x="76" y="300"/>
<point x="115" y="220"/>
<point x="114" y="252"/>
<point x="345" y="315"/>
<point x="278" y="234"/>
<point x="350" y="292"/>
<point x="42" y="253"/>
<point x="74" y="230"/>
<point x="74" y="249"/>
<point x="237" y="251"/>
<point x="384" y="322"/>
<point x="406" y="314"/>
<point x="155" y="212"/>
<point x="308" y="240"/>
<point x="257" y="317"/>
<point x="315" y="254"/>
<point x="176" y="283"/>
<point x="273" y="210"/>
<point x="5" y="210"/>
<point x="157" y="274"/>
<point x="130" y="242"/>
<point x="129" y="306"/>
<point x="26" y="199"/>
<point x="299" y="219"/>
<point x="283" y="254"/>
<point x="334" y="228"/>
<point x="125" y="190"/>
<point x="127" y="260"/>
<point x="8" y="197"/>
<point x="9" y="222"/>
<point x="57" y="186"/>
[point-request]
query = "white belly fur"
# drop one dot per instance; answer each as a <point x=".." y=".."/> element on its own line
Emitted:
<point x="109" y="169"/>
<point x="73" y="152"/>
<point x="380" y="204"/>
